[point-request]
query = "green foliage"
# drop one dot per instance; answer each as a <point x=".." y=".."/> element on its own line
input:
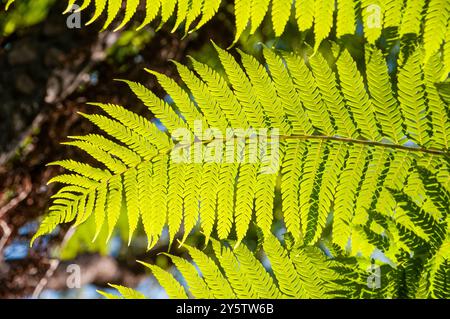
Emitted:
<point x="346" y="150"/>
<point x="409" y="17"/>
<point x="23" y="15"/>
<point x="185" y="12"/>
<point x="298" y="271"/>
<point x="301" y="272"/>
<point x="425" y="20"/>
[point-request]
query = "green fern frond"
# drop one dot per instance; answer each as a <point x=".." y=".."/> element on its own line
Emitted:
<point x="427" y="20"/>
<point x="446" y="54"/>
<point x="334" y="152"/>
<point x="239" y="273"/>
<point x="356" y="96"/>
<point x="295" y="270"/>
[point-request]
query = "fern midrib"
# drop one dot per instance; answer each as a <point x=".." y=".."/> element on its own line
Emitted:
<point x="433" y="151"/>
<point x="370" y="143"/>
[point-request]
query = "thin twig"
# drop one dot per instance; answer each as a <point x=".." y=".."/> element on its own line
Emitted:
<point x="54" y="263"/>
<point x="6" y="233"/>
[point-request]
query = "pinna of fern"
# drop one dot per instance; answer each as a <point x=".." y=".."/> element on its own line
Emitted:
<point x="343" y="146"/>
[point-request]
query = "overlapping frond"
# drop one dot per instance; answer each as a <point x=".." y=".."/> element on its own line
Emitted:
<point x="299" y="272"/>
<point x="426" y="20"/>
<point x="420" y="276"/>
<point x="295" y="270"/>
<point x="299" y="126"/>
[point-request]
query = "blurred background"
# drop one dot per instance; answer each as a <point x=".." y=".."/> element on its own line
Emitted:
<point x="47" y="74"/>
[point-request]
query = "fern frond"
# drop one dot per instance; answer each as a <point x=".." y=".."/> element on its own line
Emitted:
<point x="132" y="200"/>
<point x="248" y="188"/>
<point x="287" y="95"/>
<point x="372" y="15"/>
<point x="238" y="273"/>
<point x="197" y="286"/>
<point x="289" y="280"/>
<point x="439" y="117"/>
<point x="418" y="18"/>
<point x="225" y="199"/>
<point x="259" y="9"/>
<point x="326" y="82"/>
<point x="261" y="281"/>
<point x="309" y="95"/>
<point x="291" y="172"/>
<point x="214" y="278"/>
<point x="236" y="277"/>
<point x="393" y="13"/>
<point x="265" y="91"/>
<point x="439" y="272"/>
<point x="446" y="54"/>
<point x="331" y="145"/>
